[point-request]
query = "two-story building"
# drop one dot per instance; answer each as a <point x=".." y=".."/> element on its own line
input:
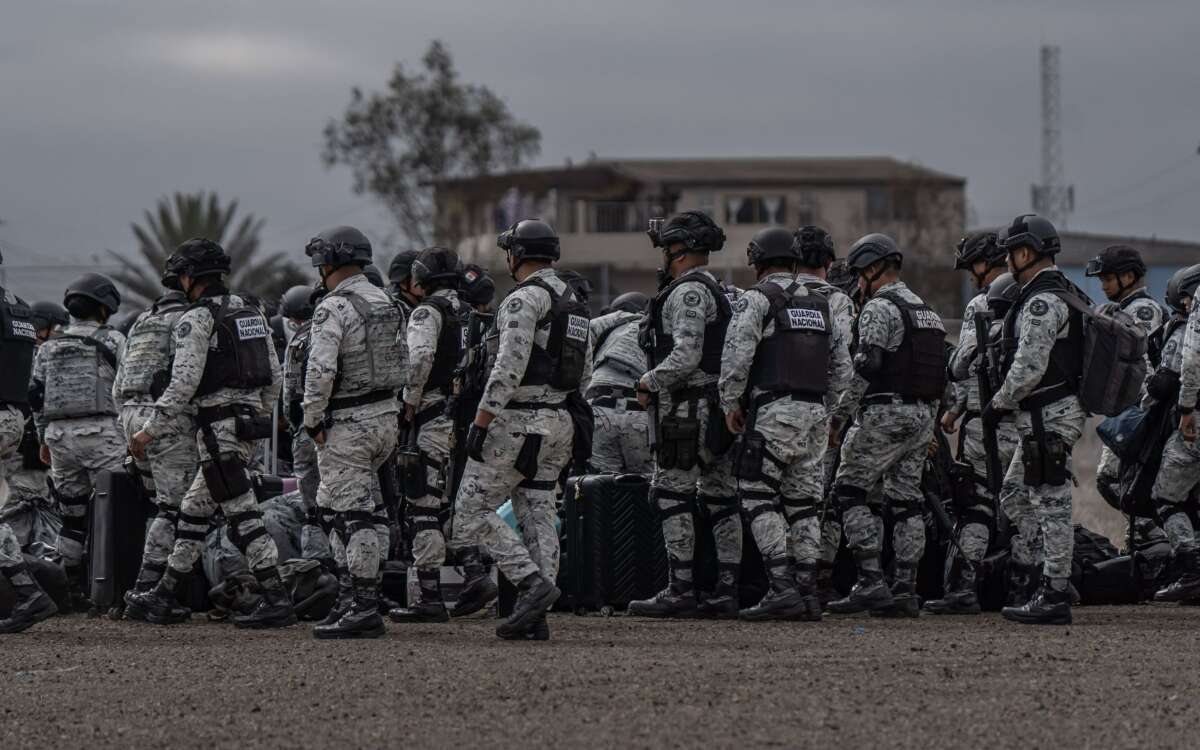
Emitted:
<point x="601" y="210"/>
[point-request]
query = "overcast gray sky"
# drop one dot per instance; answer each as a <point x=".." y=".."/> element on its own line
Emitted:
<point x="107" y="105"/>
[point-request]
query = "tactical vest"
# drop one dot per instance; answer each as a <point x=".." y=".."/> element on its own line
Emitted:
<point x="449" y="345"/>
<point x="146" y="363"/>
<point x="714" y="333"/>
<point x="917" y="369"/>
<point x="610" y="355"/>
<point x="74" y="387"/>
<point x="18" y="336"/>
<point x="1066" y="356"/>
<point x="1159" y="337"/>
<point x="795" y="357"/>
<point x="241" y="357"/>
<point x="379" y="365"/>
<point x="297" y="362"/>
<point x="560" y="365"/>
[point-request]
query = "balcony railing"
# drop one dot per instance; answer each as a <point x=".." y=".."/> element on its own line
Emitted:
<point x="601" y="217"/>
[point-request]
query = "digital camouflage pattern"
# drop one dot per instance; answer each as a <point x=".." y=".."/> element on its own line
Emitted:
<point x="12" y="425"/>
<point x="620" y="443"/>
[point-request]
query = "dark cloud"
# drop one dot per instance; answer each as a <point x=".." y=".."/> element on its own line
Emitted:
<point x="109" y="105"/>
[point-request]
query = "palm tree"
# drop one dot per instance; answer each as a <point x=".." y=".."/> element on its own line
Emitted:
<point x="186" y="215"/>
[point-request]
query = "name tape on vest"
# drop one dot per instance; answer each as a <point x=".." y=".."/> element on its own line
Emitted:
<point x="806" y="320"/>
<point x="927" y="319"/>
<point x="577" y="327"/>
<point x="24" y="329"/>
<point x="251" y="328"/>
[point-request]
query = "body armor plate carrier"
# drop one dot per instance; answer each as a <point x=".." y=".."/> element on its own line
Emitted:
<point x="380" y="364"/>
<point x="17" y="337"/>
<point x="449" y="345"/>
<point x="795" y="357"/>
<point x="714" y="333"/>
<point x="74" y="387"/>
<point x="917" y="369"/>
<point x="560" y="365"/>
<point x="146" y="363"/>
<point x="240" y="358"/>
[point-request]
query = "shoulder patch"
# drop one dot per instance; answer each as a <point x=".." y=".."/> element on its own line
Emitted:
<point x="320" y="316"/>
<point x="515" y="305"/>
<point x="420" y="314"/>
<point x="691" y="299"/>
<point x="184" y="330"/>
<point x="741" y="304"/>
<point x="1145" y="313"/>
<point x="1038" y="307"/>
<point x="864" y="318"/>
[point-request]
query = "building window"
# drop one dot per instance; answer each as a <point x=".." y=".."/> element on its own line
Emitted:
<point x="904" y="204"/>
<point x="879" y="204"/>
<point x="754" y="209"/>
<point x="806" y="210"/>
<point x="611" y="216"/>
<point x="891" y="204"/>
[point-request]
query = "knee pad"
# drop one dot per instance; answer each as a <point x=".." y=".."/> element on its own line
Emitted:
<point x="233" y="523"/>
<point x="226" y="477"/>
<point x="351" y="522"/>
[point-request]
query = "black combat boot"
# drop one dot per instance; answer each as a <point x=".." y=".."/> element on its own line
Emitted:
<point x="538" y="631"/>
<point x="161" y="604"/>
<point x="806" y="584"/>
<point x="1187" y="586"/>
<point x="1049" y="606"/>
<point x="479" y="590"/>
<point x="678" y="599"/>
<point x="535" y="595"/>
<point x="275" y="609"/>
<point x="429" y="606"/>
<point x="826" y="592"/>
<point x="905" y="602"/>
<point x="148" y="578"/>
<point x="782" y="601"/>
<point x="869" y="592"/>
<point x="75" y="580"/>
<point x="362" y="620"/>
<point x="723" y="603"/>
<point x="1020" y="577"/>
<point x="32" y="606"/>
<point x="345" y="598"/>
<point x="959" y="600"/>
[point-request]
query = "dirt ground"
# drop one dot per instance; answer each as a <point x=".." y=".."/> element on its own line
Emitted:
<point x="1119" y="677"/>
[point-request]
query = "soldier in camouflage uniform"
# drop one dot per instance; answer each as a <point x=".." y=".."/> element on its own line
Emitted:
<point x="1122" y="275"/>
<point x="899" y="364"/>
<point x="791" y="316"/>
<point x="435" y="336"/>
<point x="297" y="306"/>
<point x="522" y="436"/>
<point x="404" y="286"/>
<point x="356" y="365"/>
<point x="27" y="473"/>
<point x="17" y="339"/>
<point x="75" y="413"/>
<point x="225" y="368"/>
<point x="170" y="462"/>
<point x="1177" y="380"/>
<point x="1049" y="415"/>
<point x="620" y="444"/>
<point x="685" y="335"/>
<point x="985" y="261"/>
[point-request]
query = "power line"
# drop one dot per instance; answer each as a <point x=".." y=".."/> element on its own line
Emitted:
<point x="1129" y="188"/>
<point x="1166" y="197"/>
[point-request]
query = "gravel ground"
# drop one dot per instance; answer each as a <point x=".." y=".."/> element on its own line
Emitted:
<point x="851" y="682"/>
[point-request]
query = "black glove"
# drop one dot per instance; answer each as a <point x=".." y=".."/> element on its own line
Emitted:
<point x="991" y="416"/>
<point x="475" y="439"/>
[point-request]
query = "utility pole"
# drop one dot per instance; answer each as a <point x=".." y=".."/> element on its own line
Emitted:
<point x="1052" y="198"/>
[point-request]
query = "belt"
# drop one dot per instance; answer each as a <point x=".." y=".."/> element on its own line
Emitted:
<point x="617" y="391"/>
<point x="891" y="398"/>
<point x="338" y="404"/>
<point x="1046" y="396"/>
<point x="610" y="402"/>
<point x="206" y="416"/>
<point x="535" y="405"/>
<point x="763" y="399"/>
<point x="694" y="393"/>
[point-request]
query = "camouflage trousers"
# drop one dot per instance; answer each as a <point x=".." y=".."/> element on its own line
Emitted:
<point x="831" y="517"/>
<point x="486" y="485"/>
<point x="887" y="442"/>
<point x="12" y="425"/>
<point x="784" y="504"/>
<point x="349" y="461"/>
<point x="79" y="450"/>
<point x="429" y="538"/>
<point x="167" y="472"/>
<point x="200" y="503"/>
<point x="708" y="487"/>
<point x="620" y="444"/>
<point x="314" y="539"/>
<point x="976" y="521"/>
<point x="1177" y="477"/>
<point x="1041" y="513"/>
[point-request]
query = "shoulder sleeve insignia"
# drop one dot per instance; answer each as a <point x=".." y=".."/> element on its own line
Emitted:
<point x="1038" y="307"/>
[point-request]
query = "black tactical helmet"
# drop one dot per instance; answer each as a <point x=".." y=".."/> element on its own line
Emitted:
<point x="400" y="269"/>
<point x="198" y="257"/>
<point x="975" y="247"/>
<point x="871" y="249"/>
<point x="170" y="277"/>
<point x="815" y="246"/>
<point x="371" y="271"/>
<point x="339" y="246"/>
<point x="96" y="287"/>
<point x="297" y="303"/>
<point x="477" y="287"/>
<point x="48" y="314"/>
<point x="1032" y="231"/>
<point x="632" y="302"/>
<point x="772" y="243"/>
<point x="437" y="264"/>
<point x="529" y="240"/>
<point x="581" y="286"/>
<point x="1116" y="259"/>
<point x="1002" y="293"/>
<point x="695" y="230"/>
<point x="1183" y="284"/>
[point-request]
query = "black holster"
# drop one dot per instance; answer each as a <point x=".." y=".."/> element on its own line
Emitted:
<point x="527" y="459"/>
<point x="224" y="473"/>
<point x="679" y="439"/>
<point x="1045" y="455"/>
<point x="250" y="427"/>
<point x="717" y="437"/>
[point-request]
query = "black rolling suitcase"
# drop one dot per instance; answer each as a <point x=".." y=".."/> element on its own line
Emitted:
<point x="117" y="524"/>
<point x="612" y="549"/>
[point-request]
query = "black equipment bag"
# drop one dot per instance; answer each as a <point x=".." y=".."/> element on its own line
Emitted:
<point x="118" y="516"/>
<point x="612" y="551"/>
